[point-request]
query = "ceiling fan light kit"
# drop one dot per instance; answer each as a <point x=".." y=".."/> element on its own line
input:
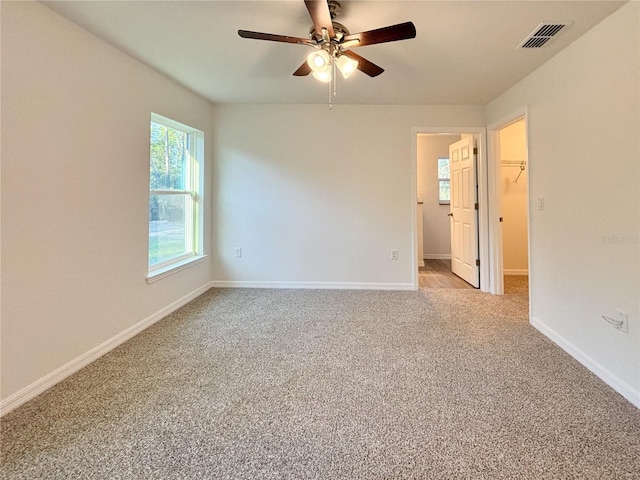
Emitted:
<point x="332" y="42"/>
<point x="319" y="61"/>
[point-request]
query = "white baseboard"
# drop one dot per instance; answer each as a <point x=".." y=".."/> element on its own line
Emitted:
<point x="420" y="263"/>
<point x="515" y="271"/>
<point x="437" y="256"/>
<point x="313" y="285"/>
<point x="627" y="391"/>
<point x="39" y="386"/>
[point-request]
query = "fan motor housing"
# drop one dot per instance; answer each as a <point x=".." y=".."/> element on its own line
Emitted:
<point x="340" y="30"/>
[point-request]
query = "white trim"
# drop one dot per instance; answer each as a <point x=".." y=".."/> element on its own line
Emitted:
<point x="171" y="123"/>
<point x="624" y="389"/>
<point x="483" y="197"/>
<point x="312" y="285"/>
<point x="515" y="271"/>
<point x="437" y="256"/>
<point x="414" y="209"/>
<point x="39" y="386"/>
<point x="174" y="268"/>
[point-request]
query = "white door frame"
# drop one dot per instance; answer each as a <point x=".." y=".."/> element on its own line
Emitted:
<point x="495" y="199"/>
<point x="483" y="196"/>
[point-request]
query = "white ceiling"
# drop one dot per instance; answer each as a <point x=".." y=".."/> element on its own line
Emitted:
<point x="465" y="52"/>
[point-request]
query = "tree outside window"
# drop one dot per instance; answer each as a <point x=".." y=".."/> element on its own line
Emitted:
<point x="444" y="176"/>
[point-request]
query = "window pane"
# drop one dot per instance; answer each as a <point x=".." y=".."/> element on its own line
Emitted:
<point x="167" y="234"/>
<point x="443" y="191"/>
<point x="443" y="168"/>
<point x="168" y="157"/>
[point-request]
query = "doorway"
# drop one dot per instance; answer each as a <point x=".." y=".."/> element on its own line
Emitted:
<point x="514" y="179"/>
<point x="509" y="192"/>
<point x="433" y="230"/>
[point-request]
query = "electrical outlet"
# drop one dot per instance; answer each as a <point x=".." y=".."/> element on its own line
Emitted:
<point x="394" y="254"/>
<point x="624" y="318"/>
<point x="237" y="252"/>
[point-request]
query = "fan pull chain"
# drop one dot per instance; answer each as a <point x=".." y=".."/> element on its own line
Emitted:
<point x="332" y="85"/>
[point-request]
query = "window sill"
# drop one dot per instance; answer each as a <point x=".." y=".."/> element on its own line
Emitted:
<point x="174" y="268"/>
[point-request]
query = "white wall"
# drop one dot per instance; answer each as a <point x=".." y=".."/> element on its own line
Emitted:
<point x="583" y="156"/>
<point x="513" y="186"/>
<point x="75" y="168"/>
<point x="319" y="197"/>
<point x="437" y="229"/>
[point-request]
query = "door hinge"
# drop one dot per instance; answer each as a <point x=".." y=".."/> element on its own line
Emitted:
<point x="476" y="206"/>
<point x="477" y="262"/>
<point x="475" y="150"/>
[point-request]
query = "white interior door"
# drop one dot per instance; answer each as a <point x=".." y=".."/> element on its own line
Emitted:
<point x="464" y="211"/>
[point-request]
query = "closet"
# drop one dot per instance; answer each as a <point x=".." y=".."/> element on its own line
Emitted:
<point x="513" y="187"/>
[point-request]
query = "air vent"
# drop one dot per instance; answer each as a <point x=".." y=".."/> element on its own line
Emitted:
<point x="543" y="33"/>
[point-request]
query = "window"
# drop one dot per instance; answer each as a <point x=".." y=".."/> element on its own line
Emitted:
<point x="444" y="194"/>
<point x="175" y="193"/>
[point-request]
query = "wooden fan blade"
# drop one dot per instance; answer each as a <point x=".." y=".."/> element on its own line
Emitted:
<point x="364" y="65"/>
<point x="302" y="70"/>
<point x="274" y="38"/>
<point x="392" y="33"/>
<point x="319" y="12"/>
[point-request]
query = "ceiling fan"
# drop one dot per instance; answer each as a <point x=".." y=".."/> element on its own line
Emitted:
<point x="332" y="42"/>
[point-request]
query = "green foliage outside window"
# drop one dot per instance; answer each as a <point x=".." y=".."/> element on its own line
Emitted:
<point x="169" y="150"/>
<point x="169" y="170"/>
<point x="444" y="174"/>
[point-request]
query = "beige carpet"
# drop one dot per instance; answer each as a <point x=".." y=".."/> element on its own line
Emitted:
<point x="516" y="284"/>
<point x="301" y="384"/>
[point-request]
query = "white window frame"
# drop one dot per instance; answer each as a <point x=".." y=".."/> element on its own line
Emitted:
<point x="440" y="180"/>
<point x="194" y="191"/>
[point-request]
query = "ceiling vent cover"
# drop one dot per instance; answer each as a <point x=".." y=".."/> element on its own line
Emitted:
<point x="543" y="33"/>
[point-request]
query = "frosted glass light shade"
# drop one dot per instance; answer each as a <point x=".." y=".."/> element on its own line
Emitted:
<point x="346" y="65"/>
<point x="323" y="76"/>
<point x="318" y="61"/>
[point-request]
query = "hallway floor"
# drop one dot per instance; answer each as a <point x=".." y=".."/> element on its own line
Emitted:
<point x="437" y="274"/>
